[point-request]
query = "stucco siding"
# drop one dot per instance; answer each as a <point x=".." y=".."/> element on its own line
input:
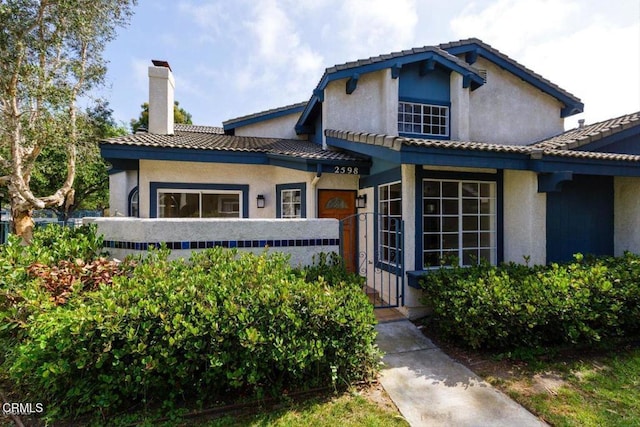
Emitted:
<point x="524" y="218"/>
<point x="626" y="215"/>
<point x="279" y="127"/>
<point x="120" y="185"/>
<point x="506" y="110"/>
<point x="261" y="179"/>
<point x="372" y="107"/>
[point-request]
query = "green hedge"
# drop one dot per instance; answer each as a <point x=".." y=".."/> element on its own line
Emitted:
<point x="219" y="325"/>
<point x="515" y="305"/>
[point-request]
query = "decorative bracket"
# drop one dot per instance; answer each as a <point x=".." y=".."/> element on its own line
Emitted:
<point x="395" y="71"/>
<point x="471" y="57"/>
<point x="319" y="93"/>
<point x="552" y="182"/>
<point x="352" y="83"/>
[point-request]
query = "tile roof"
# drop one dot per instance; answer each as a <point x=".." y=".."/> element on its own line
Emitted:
<point x="198" y="129"/>
<point x="393" y="55"/>
<point x="397" y="142"/>
<point x="205" y="139"/>
<point x="480" y="43"/>
<point x="581" y="136"/>
<point x="299" y="105"/>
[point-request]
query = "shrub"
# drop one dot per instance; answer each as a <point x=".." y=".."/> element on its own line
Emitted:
<point x="515" y="305"/>
<point x="221" y="324"/>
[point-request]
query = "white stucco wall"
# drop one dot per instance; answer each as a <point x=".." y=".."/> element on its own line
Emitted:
<point x="120" y="185"/>
<point x="459" y="112"/>
<point x="506" y="110"/>
<point x="137" y="230"/>
<point x="372" y="107"/>
<point x="626" y="215"/>
<point x="279" y="127"/>
<point x="262" y="179"/>
<point x="525" y="228"/>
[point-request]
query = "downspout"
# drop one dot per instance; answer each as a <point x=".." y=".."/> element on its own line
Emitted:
<point x="314" y="184"/>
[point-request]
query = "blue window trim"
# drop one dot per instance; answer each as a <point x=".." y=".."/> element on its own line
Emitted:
<point x="155" y="186"/>
<point x="302" y="186"/>
<point x="382" y="265"/>
<point x="428" y="102"/>
<point x="497" y="177"/>
<point x="129" y="198"/>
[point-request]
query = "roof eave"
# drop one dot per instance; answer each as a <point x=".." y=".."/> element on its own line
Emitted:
<point x="471" y="75"/>
<point x="572" y="104"/>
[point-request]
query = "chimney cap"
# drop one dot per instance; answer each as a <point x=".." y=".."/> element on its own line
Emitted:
<point x="580" y="123"/>
<point x="161" y="63"/>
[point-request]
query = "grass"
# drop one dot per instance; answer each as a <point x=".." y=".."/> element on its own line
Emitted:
<point x="346" y="410"/>
<point x="592" y="391"/>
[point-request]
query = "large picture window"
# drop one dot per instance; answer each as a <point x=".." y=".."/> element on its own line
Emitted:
<point x="423" y="119"/>
<point x="459" y="222"/>
<point x="389" y="220"/>
<point x="198" y="204"/>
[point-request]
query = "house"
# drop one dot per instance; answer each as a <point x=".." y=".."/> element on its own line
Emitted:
<point x="455" y="153"/>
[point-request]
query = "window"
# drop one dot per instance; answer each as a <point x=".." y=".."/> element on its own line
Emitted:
<point x="389" y="220"/>
<point x="459" y="222"/>
<point x="423" y="119"/>
<point x="198" y="204"/>
<point x="291" y="203"/>
<point x="291" y="200"/>
<point x="134" y="203"/>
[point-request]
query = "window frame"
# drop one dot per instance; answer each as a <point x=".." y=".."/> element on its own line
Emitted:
<point x="381" y="260"/>
<point x="458" y="218"/>
<point x="422" y="104"/>
<point x="300" y="186"/>
<point x="172" y="187"/>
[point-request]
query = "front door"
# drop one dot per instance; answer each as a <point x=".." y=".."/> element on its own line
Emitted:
<point x="340" y="204"/>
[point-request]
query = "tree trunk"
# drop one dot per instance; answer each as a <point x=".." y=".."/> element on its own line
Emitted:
<point x="23" y="224"/>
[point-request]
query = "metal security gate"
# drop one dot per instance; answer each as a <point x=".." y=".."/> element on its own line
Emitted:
<point x="378" y="255"/>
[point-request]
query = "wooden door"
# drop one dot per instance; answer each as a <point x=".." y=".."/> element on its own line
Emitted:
<point x="341" y="204"/>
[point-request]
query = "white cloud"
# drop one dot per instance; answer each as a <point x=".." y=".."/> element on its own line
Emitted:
<point x="512" y="25"/>
<point x="140" y="72"/>
<point x="583" y="49"/>
<point x="372" y="27"/>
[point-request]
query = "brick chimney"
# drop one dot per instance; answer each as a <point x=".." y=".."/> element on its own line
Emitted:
<point x="161" y="95"/>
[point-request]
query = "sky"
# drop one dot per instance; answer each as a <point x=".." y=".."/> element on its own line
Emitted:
<point x="231" y="58"/>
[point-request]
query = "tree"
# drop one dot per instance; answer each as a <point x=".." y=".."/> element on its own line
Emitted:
<point x="180" y="115"/>
<point x="50" y="57"/>
<point x="91" y="184"/>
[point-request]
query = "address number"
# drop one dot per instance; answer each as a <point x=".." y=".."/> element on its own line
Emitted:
<point x="345" y="170"/>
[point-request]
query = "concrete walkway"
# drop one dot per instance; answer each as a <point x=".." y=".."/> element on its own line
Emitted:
<point x="431" y="389"/>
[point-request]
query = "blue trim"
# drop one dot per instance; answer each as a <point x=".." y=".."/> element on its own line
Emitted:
<point x="585" y="166"/>
<point x="208" y="244"/>
<point x="580" y="218"/>
<point x="260" y="117"/>
<point x="393" y="63"/>
<point x="497" y="177"/>
<point x="154" y="186"/>
<point x="129" y="198"/>
<point x="552" y="182"/>
<point x="113" y="152"/>
<point x="387" y="176"/>
<point x="366" y="149"/>
<point x="605" y="143"/>
<point x="572" y="105"/>
<point x="302" y="186"/>
<point x="429" y="101"/>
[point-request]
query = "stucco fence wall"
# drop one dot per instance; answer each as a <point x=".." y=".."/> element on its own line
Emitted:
<point x="300" y="238"/>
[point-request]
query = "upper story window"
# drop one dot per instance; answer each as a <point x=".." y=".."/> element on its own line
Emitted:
<point x="423" y="119"/>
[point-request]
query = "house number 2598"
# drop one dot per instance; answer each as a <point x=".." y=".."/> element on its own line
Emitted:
<point x="345" y="170"/>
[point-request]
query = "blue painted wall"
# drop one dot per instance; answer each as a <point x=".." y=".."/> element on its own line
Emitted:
<point x="629" y="145"/>
<point x="580" y="218"/>
<point x="432" y="87"/>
